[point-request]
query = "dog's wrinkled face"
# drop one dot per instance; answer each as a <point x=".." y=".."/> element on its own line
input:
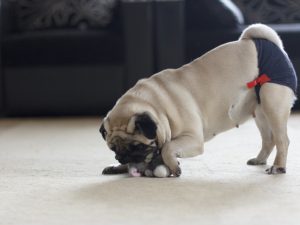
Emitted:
<point x="131" y="151"/>
<point x="133" y="142"/>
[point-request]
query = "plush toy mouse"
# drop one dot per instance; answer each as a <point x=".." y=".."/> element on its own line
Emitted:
<point x="153" y="166"/>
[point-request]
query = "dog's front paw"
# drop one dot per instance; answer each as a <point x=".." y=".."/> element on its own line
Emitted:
<point x="170" y="160"/>
<point x="276" y="170"/>
<point x="173" y="165"/>
<point x="177" y="171"/>
<point x="255" y="162"/>
<point x="110" y="170"/>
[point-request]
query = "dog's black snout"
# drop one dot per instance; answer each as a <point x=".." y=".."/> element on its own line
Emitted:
<point x="130" y="153"/>
<point x="123" y="159"/>
<point x="129" y="158"/>
<point x="114" y="148"/>
<point x="118" y="157"/>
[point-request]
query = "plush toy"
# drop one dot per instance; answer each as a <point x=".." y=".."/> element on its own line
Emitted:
<point x="153" y="166"/>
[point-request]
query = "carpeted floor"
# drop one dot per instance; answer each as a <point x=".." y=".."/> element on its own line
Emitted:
<point x="50" y="174"/>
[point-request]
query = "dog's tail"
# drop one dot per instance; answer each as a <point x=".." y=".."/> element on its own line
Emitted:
<point x="261" y="31"/>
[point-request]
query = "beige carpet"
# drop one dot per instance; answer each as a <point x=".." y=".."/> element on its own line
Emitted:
<point x="50" y="174"/>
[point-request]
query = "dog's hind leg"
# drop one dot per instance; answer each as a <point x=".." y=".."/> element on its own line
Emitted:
<point x="266" y="136"/>
<point x="276" y="103"/>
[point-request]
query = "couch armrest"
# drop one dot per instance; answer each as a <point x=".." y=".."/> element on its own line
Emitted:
<point x="138" y="32"/>
<point x="170" y="33"/>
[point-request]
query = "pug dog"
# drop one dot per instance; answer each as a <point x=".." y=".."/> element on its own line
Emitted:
<point x="178" y="110"/>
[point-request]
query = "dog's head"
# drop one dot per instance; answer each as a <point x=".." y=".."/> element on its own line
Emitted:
<point x="132" y="138"/>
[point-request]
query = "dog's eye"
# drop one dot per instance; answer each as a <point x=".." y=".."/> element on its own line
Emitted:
<point x="103" y="131"/>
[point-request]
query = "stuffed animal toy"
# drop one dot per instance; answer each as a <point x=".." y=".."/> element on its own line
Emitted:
<point x="153" y="166"/>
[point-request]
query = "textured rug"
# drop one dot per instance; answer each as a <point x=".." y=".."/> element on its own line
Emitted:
<point x="50" y="173"/>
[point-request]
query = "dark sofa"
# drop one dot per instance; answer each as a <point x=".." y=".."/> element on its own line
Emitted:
<point x="51" y="65"/>
<point x="75" y="70"/>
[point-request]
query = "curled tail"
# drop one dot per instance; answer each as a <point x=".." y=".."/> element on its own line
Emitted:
<point x="261" y="31"/>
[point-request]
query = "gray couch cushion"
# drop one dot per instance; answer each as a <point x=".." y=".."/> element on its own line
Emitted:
<point x="45" y="14"/>
<point x="270" y="11"/>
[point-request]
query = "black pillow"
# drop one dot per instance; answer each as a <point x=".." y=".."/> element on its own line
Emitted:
<point x="270" y="11"/>
<point x="49" y="14"/>
<point x="212" y="14"/>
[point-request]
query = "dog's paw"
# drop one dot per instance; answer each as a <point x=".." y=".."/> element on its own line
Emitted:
<point x="175" y="170"/>
<point x="110" y="170"/>
<point x="276" y="170"/>
<point x="170" y="160"/>
<point x="255" y="162"/>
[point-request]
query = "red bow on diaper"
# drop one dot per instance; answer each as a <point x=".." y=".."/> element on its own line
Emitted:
<point x="260" y="80"/>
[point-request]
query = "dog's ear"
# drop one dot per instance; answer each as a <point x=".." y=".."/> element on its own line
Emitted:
<point x="103" y="131"/>
<point x="145" y="125"/>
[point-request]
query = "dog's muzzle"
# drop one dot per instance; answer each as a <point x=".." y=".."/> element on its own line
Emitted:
<point x="129" y="158"/>
<point x="133" y="153"/>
